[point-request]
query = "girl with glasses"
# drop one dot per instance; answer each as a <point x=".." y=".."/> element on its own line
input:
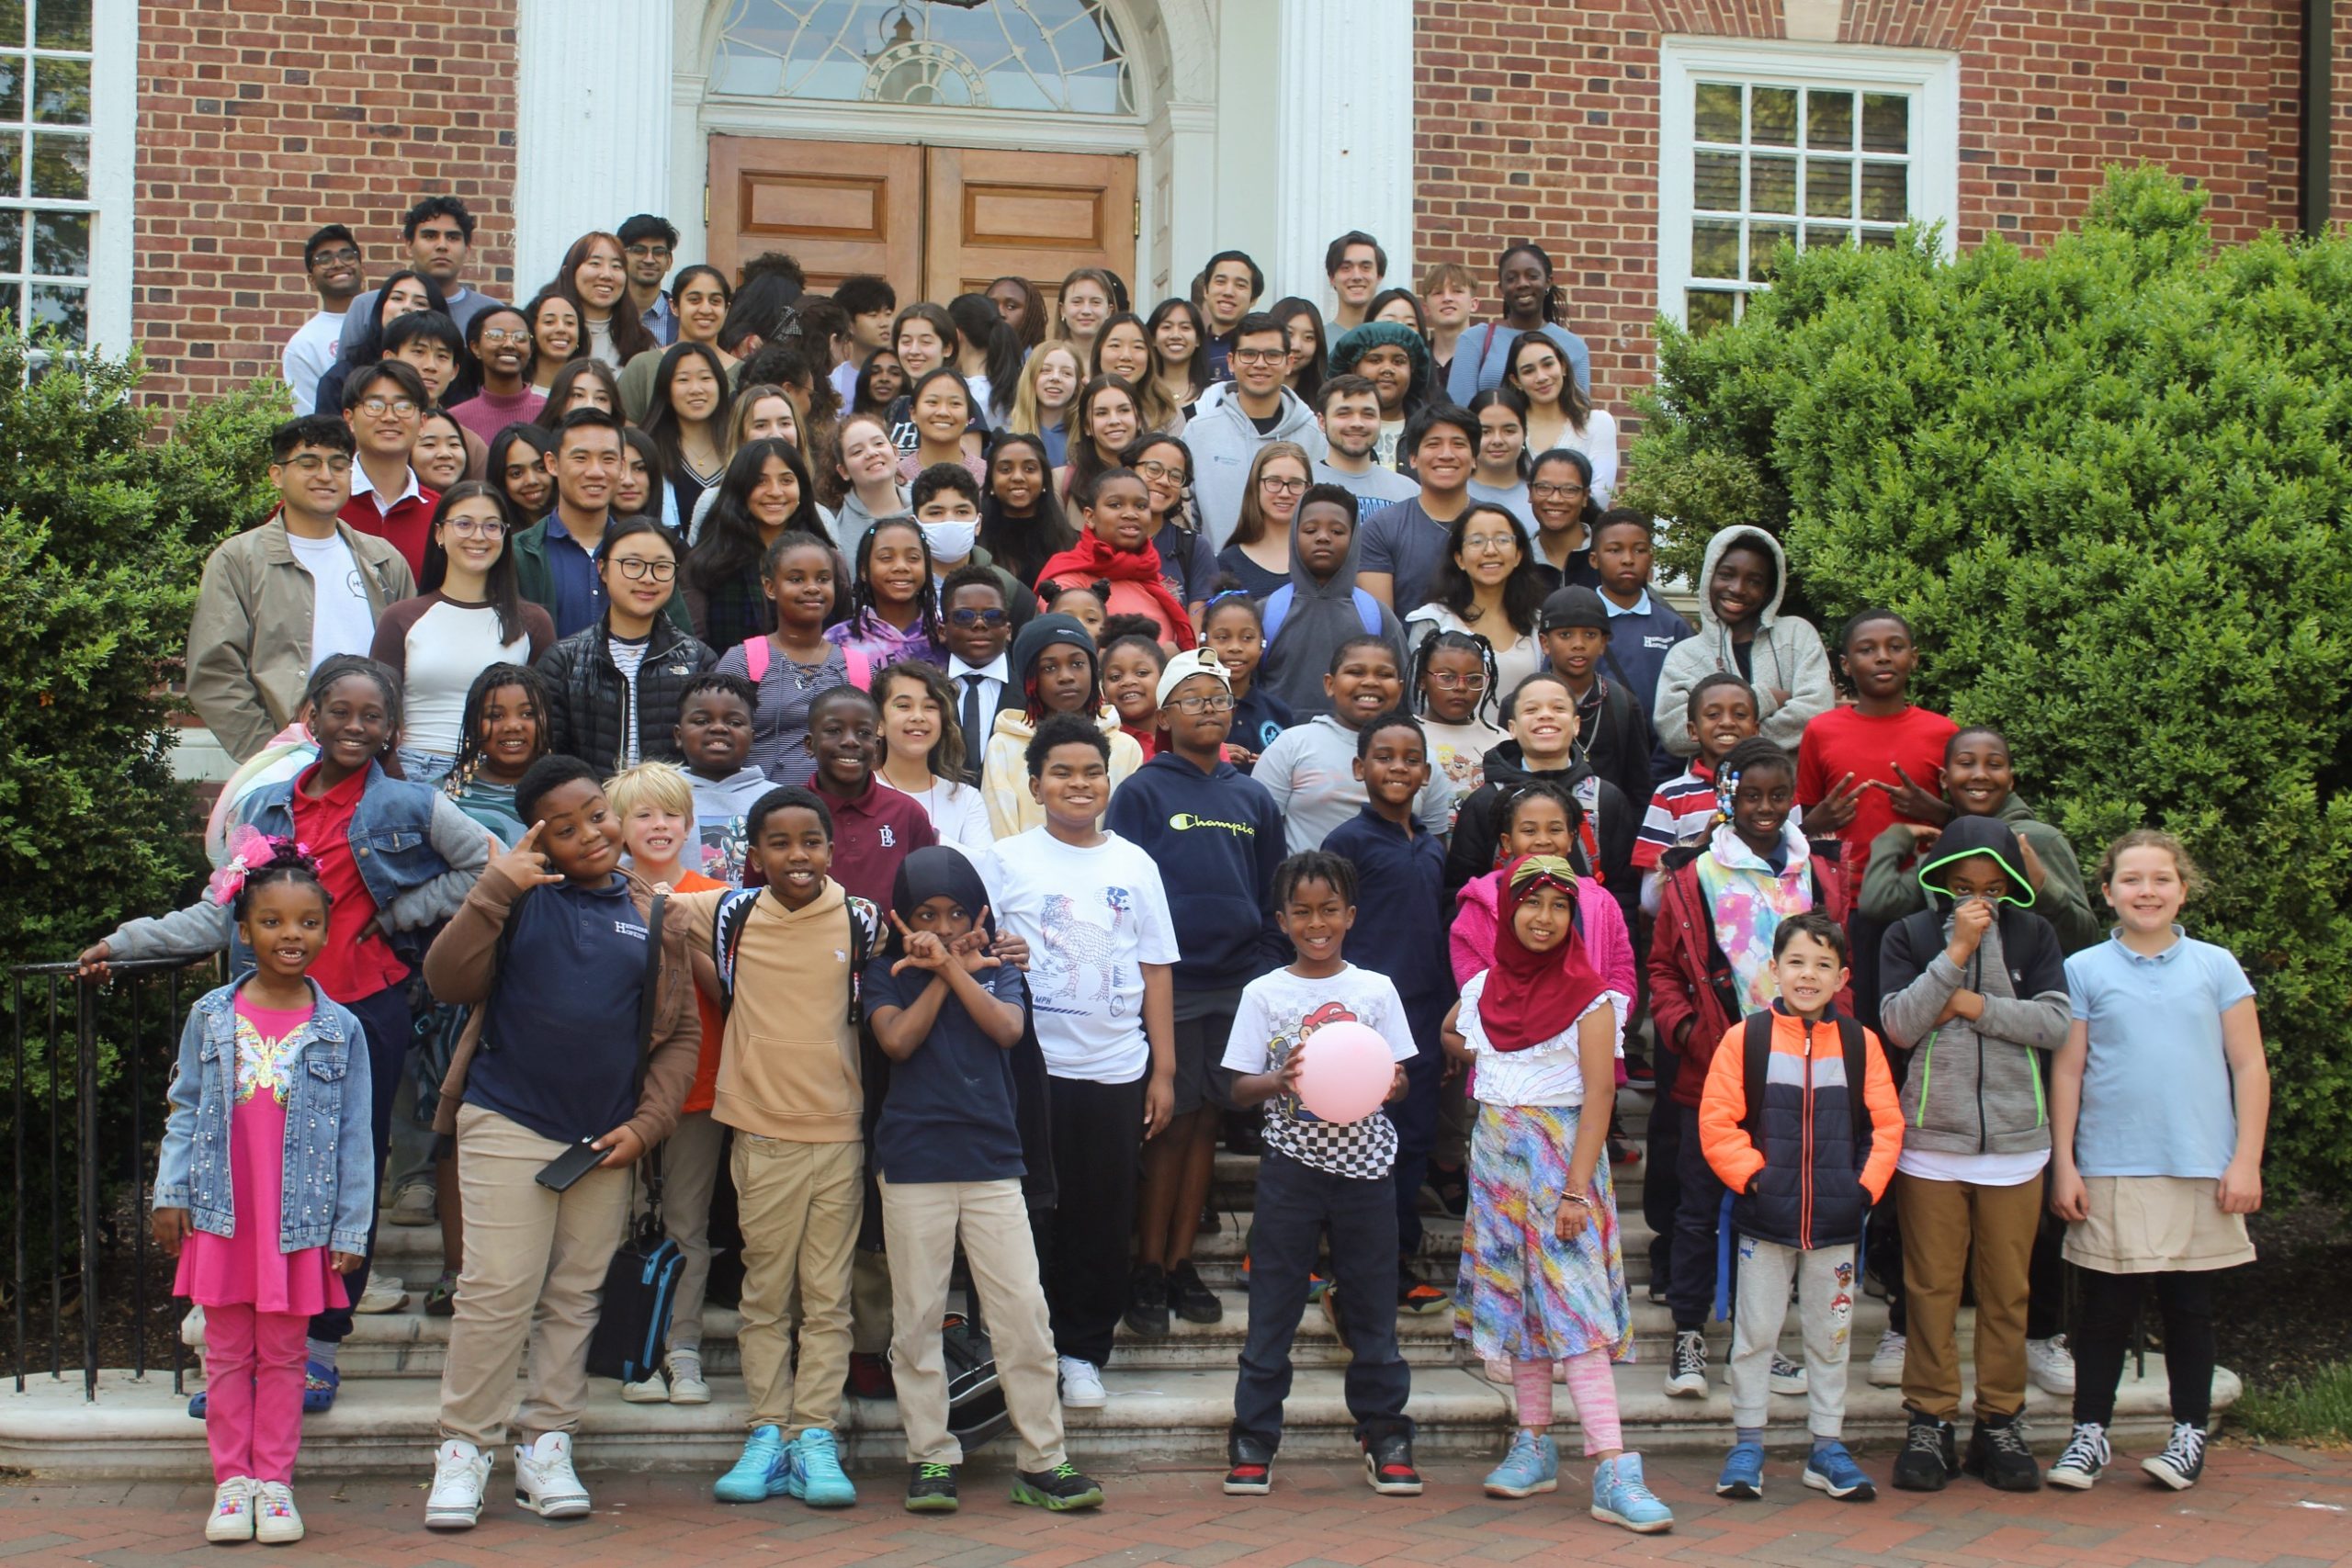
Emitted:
<point x="615" y="686"/>
<point x="1487" y="584"/>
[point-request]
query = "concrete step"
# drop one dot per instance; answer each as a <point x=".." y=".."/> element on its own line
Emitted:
<point x="140" y="1428"/>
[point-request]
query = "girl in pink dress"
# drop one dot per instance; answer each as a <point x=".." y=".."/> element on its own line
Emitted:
<point x="265" y="1181"/>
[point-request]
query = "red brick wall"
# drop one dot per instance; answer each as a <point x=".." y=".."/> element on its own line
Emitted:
<point x="1541" y="121"/>
<point x="261" y="119"/>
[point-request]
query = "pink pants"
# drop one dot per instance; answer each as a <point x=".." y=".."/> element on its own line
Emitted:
<point x="253" y="1383"/>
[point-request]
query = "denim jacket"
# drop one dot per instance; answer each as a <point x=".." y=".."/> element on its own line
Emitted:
<point x="330" y="1192"/>
<point x="416" y="851"/>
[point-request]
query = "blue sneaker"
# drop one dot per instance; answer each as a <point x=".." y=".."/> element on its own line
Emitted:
<point x="760" y="1473"/>
<point x="1531" y="1466"/>
<point x="1743" y="1475"/>
<point x="815" y="1475"/>
<point x="1832" y="1469"/>
<point x="1621" y="1497"/>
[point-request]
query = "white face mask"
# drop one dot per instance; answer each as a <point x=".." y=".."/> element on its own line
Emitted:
<point x="951" y="539"/>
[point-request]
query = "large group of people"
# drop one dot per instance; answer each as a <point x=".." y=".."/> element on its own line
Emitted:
<point x="934" y="768"/>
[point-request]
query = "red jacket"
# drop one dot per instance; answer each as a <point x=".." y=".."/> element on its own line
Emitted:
<point x="1682" y="945"/>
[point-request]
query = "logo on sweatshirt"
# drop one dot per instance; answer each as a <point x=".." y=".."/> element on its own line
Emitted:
<point x="889" y="839"/>
<point x="1183" y="821"/>
<point x="626" y="927"/>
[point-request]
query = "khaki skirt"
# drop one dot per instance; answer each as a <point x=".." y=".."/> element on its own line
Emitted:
<point x="2150" y="1224"/>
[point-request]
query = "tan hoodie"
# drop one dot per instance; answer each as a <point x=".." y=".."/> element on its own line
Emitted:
<point x="787" y="1063"/>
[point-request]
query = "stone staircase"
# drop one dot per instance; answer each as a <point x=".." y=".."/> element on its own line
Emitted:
<point x="1170" y="1398"/>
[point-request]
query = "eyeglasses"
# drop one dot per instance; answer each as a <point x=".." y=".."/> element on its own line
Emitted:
<point x="977" y="618"/>
<point x="1281" y="486"/>
<point x="637" y="569"/>
<point x="344" y="257"/>
<point x="647" y="253"/>
<point x="1261" y="355"/>
<point x="1215" y="702"/>
<point x="1481" y="542"/>
<point x="1152" y="468"/>
<point x="475" y="527"/>
<point x="1550" y="491"/>
<point x="519" y="336"/>
<point x="1447" y="681"/>
<point x="311" y="463"/>
<point x="377" y="408"/>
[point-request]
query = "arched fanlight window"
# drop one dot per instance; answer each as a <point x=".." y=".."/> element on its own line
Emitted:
<point x="1040" y="56"/>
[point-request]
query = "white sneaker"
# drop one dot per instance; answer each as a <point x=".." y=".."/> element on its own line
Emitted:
<point x="277" y="1522"/>
<point x="2049" y="1364"/>
<point x="651" y="1389"/>
<point x="415" y="1203"/>
<point x="382" y="1295"/>
<point x="1081" y="1384"/>
<point x="545" y="1482"/>
<point x="686" y="1384"/>
<point x="1886" y="1361"/>
<point x="232" y="1511"/>
<point x="459" y="1473"/>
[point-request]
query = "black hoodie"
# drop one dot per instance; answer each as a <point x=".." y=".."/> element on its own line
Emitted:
<point x="1610" y="817"/>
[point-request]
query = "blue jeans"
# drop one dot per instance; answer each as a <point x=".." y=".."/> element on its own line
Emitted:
<point x="1691" y="1283"/>
<point x="385" y="1017"/>
<point x="1415" y="1116"/>
<point x="425" y="767"/>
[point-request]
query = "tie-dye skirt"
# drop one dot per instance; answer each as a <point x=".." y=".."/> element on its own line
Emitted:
<point x="1524" y="1294"/>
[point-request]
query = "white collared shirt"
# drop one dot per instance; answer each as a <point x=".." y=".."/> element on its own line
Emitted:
<point x="362" y="485"/>
<point x="1641" y="608"/>
<point x="993" y="678"/>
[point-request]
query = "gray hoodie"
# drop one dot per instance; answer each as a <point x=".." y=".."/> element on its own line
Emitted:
<point x="1224" y="440"/>
<point x="1786" y="656"/>
<point x="1316" y="618"/>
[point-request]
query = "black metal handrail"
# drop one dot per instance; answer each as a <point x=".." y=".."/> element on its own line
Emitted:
<point x="99" y="1111"/>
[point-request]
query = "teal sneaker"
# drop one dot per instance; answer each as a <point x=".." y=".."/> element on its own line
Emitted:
<point x="1531" y="1466"/>
<point x="760" y="1474"/>
<point x="815" y="1474"/>
<point x="1620" y="1498"/>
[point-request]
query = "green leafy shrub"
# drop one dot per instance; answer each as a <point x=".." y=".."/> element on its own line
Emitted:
<point x="2109" y="486"/>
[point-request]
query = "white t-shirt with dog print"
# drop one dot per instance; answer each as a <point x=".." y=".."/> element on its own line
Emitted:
<point x="1093" y="918"/>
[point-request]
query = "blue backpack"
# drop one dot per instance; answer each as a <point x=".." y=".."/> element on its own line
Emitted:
<point x="1278" y="611"/>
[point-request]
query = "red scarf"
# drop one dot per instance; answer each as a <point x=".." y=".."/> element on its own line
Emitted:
<point x="1530" y="997"/>
<point x="1093" y="558"/>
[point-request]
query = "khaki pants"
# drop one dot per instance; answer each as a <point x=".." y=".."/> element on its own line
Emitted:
<point x="535" y="1270"/>
<point x="799" y="1205"/>
<point x="921" y="1221"/>
<point x="1942" y="1223"/>
<point x="689" y="1176"/>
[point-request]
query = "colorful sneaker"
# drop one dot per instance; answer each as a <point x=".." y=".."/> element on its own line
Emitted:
<point x="931" y="1489"/>
<point x="1787" y="1377"/>
<point x="1886" y="1361"/>
<point x="1416" y="1299"/>
<point x="1533" y="1465"/>
<point x="2001" y="1457"/>
<point x="1621" y="1496"/>
<point x="2183" y="1460"/>
<point x="277" y="1522"/>
<point x="759" y="1474"/>
<point x="461" y="1473"/>
<point x="1930" y="1458"/>
<point x="1081" y="1384"/>
<point x="1743" y="1473"/>
<point x="1687" y="1377"/>
<point x="1249" y="1467"/>
<point x="232" y="1511"/>
<point x="1832" y="1469"/>
<point x="1060" y="1490"/>
<point x="2085" y="1460"/>
<point x="869" y="1377"/>
<point x="1388" y="1466"/>
<point x="2049" y="1364"/>
<point x="441" y="1301"/>
<point x="813" y="1470"/>
<point x="545" y="1482"/>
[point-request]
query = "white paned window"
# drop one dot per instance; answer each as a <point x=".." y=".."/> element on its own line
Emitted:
<point x="1764" y="144"/>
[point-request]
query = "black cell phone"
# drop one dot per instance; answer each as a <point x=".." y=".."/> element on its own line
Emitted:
<point x="560" y="1173"/>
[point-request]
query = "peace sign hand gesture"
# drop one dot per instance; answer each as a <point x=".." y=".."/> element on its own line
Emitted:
<point x="924" y="950"/>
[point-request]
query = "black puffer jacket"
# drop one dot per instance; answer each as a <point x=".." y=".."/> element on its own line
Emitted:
<point x="1610" y="817"/>
<point x="592" y="699"/>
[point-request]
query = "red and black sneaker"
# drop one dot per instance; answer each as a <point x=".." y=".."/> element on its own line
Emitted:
<point x="869" y="1377"/>
<point x="1250" y="1467"/>
<point x="1388" y="1466"/>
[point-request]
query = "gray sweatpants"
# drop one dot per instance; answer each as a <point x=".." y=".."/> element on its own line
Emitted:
<point x="1825" y="1281"/>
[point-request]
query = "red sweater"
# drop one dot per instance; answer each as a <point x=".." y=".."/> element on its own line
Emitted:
<point x="1846" y="740"/>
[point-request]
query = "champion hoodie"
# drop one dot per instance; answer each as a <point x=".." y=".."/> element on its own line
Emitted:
<point x="1217" y="837"/>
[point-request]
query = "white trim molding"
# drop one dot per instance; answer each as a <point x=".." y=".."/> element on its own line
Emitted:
<point x="114" y="170"/>
<point x="591" y="124"/>
<point x="1344" y="153"/>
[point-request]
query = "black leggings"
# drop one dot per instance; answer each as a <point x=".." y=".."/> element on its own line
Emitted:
<point x="2107" y="1305"/>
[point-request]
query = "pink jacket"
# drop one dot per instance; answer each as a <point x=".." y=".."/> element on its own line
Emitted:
<point x="1471" y="944"/>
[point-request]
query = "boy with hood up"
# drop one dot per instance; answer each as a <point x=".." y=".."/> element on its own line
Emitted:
<point x="1322" y="607"/>
<point x="1742" y="631"/>
<point x="1403" y="386"/>
<point x="1975" y="985"/>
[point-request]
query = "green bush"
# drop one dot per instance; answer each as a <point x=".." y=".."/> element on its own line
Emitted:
<point x="2109" y="486"/>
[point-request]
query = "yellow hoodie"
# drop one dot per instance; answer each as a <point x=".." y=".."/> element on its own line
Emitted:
<point x="1004" y="773"/>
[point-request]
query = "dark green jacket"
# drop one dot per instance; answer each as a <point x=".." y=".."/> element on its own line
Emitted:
<point x="1889" y="891"/>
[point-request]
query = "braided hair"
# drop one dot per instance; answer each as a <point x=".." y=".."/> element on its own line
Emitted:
<point x="1753" y="753"/>
<point x="862" y="610"/>
<point x="342" y="667"/>
<point x="1466" y="642"/>
<point x="470" y="756"/>
<point x="288" y="862"/>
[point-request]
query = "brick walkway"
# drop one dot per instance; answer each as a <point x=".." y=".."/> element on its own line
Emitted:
<point x="2280" y="1508"/>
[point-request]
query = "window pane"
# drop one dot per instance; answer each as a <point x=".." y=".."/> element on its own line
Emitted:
<point x="12" y="88"/>
<point x="62" y="242"/>
<point x="1830" y="120"/>
<point x="1715" y="247"/>
<point x="1820" y="238"/>
<point x="62" y="168"/>
<point x="12" y="24"/>
<point x="1706" y="308"/>
<point x="1830" y="187"/>
<point x="54" y="305"/>
<point x="61" y="91"/>
<point x="12" y="164"/>
<point x="1763" y="241"/>
<point x="1773" y="116"/>
<point x="1878" y="239"/>
<point x="12" y="296"/>
<point x="1715" y="181"/>
<point x="1771" y="184"/>
<point x="1717" y="114"/>
<point x="1886" y="122"/>
<point x="62" y="24"/>
<point x="1886" y="195"/>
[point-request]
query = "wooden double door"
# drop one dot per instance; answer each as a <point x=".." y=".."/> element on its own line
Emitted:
<point x="936" y="221"/>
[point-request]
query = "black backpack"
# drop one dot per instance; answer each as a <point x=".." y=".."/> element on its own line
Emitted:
<point x="1755" y="1053"/>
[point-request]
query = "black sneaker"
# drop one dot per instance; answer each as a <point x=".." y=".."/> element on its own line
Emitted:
<point x="1191" y="1297"/>
<point x="2183" y="1460"/>
<point x="1927" y="1462"/>
<point x="2001" y="1457"/>
<point x="931" y="1489"/>
<point x="1686" y="1378"/>
<point x="1452" y="1187"/>
<point x="1249" y="1467"/>
<point x="1388" y="1466"/>
<point x="1058" y="1490"/>
<point x="2086" y="1459"/>
<point x="1147" y="1301"/>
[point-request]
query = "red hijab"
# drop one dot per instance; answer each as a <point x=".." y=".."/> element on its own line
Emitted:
<point x="1093" y="557"/>
<point x="1530" y="997"/>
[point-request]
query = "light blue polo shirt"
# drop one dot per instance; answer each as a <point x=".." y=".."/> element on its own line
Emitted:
<point x="2156" y="1087"/>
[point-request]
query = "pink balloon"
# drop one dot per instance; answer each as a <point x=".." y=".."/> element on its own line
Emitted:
<point x="1346" y="1072"/>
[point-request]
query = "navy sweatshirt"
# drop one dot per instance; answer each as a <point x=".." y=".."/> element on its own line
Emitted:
<point x="1401" y="906"/>
<point x="1216" y="838"/>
